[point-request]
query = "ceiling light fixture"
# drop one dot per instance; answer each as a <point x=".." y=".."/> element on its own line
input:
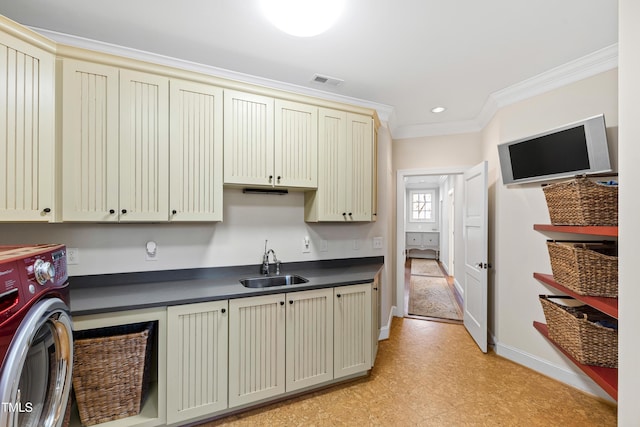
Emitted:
<point x="302" y="18"/>
<point x="438" y="110"/>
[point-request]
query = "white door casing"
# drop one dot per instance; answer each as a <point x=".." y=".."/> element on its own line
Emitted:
<point x="476" y="262"/>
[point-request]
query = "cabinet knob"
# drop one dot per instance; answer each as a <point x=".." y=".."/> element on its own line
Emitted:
<point x="278" y="178"/>
<point x="375" y="289"/>
<point x="124" y="211"/>
<point x="350" y="214"/>
<point x="290" y="301"/>
<point x="46" y="210"/>
<point x="112" y="211"/>
<point x="174" y="212"/>
<point x="344" y="214"/>
<point x="338" y="295"/>
<point x="270" y="178"/>
<point x="224" y="310"/>
<point x="281" y="302"/>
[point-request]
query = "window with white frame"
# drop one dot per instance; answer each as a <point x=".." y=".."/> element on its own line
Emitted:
<point x="422" y="205"/>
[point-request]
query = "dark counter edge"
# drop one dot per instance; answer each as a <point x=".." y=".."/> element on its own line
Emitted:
<point x="104" y="281"/>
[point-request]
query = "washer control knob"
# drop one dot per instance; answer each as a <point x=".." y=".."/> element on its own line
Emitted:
<point x="32" y="289"/>
<point x="44" y="271"/>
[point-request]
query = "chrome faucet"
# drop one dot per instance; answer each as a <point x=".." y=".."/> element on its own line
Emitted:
<point x="264" y="269"/>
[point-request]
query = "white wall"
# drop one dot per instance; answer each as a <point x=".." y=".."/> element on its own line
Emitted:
<point x="516" y="249"/>
<point x="629" y="93"/>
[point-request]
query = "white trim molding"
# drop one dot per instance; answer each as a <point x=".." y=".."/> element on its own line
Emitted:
<point x="589" y="65"/>
<point x="384" y="111"/>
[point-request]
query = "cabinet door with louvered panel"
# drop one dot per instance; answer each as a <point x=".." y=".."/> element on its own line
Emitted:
<point x="27" y="111"/>
<point x="256" y="348"/>
<point x="196" y="360"/>
<point x="309" y="338"/>
<point x="352" y="329"/>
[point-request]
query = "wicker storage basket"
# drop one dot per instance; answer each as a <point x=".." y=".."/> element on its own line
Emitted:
<point x="581" y="332"/>
<point x="111" y="371"/>
<point x="587" y="268"/>
<point x="581" y="201"/>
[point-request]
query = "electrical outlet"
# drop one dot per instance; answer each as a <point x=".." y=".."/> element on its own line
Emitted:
<point x="306" y="245"/>
<point x="377" y="243"/>
<point x="73" y="256"/>
<point x="151" y="249"/>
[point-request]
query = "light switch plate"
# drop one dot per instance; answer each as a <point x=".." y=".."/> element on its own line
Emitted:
<point x="377" y="243"/>
<point x="73" y="256"/>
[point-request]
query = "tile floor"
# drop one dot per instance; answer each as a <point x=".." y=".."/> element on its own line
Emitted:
<point x="432" y="374"/>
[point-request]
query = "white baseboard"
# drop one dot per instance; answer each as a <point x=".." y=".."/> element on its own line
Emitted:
<point x="573" y="378"/>
<point x="386" y="329"/>
<point x="458" y="287"/>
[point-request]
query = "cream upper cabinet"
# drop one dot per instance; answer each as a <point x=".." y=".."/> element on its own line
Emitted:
<point x="296" y="145"/>
<point x="115" y="144"/>
<point x="196" y="161"/>
<point x="269" y="143"/>
<point x="256" y="348"/>
<point x="27" y="143"/>
<point x="90" y="151"/>
<point x="309" y="337"/>
<point x="248" y="139"/>
<point x="197" y="352"/>
<point x="346" y="169"/>
<point x="144" y="146"/>
<point x="352" y="329"/>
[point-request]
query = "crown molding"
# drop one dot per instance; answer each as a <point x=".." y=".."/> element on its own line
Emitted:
<point x="589" y="65"/>
<point x="384" y="111"/>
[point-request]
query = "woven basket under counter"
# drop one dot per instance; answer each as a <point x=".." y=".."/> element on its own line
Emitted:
<point x="582" y="201"/>
<point x="575" y="329"/>
<point x="111" y="371"/>
<point x="587" y="268"/>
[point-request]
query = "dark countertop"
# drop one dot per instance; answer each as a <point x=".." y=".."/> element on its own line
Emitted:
<point x="130" y="291"/>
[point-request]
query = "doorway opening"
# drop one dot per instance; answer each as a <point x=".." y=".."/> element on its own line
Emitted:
<point x="427" y="226"/>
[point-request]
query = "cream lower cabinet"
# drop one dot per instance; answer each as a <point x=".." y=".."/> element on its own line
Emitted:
<point x="256" y="348"/>
<point x="352" y="330"/>
<point x="309" y="336"/>
<point x="345" y="169"/>
<point x="197" y="360"/>
<point x="27" y="143"/>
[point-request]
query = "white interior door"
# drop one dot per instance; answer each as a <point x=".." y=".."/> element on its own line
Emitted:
<point x="476" y="261"/>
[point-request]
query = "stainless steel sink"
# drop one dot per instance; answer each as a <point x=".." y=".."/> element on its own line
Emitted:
<point x="268" y="281"/>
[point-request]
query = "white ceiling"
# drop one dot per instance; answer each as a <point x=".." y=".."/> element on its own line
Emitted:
<point x="402" y="57"/>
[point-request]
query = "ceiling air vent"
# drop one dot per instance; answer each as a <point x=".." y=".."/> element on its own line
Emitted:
<point x="326" y="80"/>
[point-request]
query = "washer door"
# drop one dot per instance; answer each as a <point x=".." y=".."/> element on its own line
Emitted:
<point x="36" y="376"/>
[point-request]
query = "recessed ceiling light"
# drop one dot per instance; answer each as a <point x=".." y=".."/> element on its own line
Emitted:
<point x="438" y="109"/>
<point x="302" y="18"/>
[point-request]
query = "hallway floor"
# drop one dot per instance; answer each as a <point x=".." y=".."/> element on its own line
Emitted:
<point x="432" y="374"/>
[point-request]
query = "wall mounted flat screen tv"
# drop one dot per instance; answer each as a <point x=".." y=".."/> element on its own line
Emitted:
<point x="574" y="149"/>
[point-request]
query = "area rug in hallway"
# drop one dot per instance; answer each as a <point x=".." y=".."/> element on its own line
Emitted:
<point x="425" y="267"/>
<point x="432" y="297"/>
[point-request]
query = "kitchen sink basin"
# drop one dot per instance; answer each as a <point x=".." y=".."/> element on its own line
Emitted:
<point x="268" y="281"/>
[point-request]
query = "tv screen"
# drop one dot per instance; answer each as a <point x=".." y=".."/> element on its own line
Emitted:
<point x="574" y="149"/>
<point x="564" y="151"/>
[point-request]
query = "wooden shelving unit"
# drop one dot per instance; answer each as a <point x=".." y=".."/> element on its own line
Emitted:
<point x="606" y="305"/>
<point x="599" y="230"/>
<point x="607" y="378"/>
